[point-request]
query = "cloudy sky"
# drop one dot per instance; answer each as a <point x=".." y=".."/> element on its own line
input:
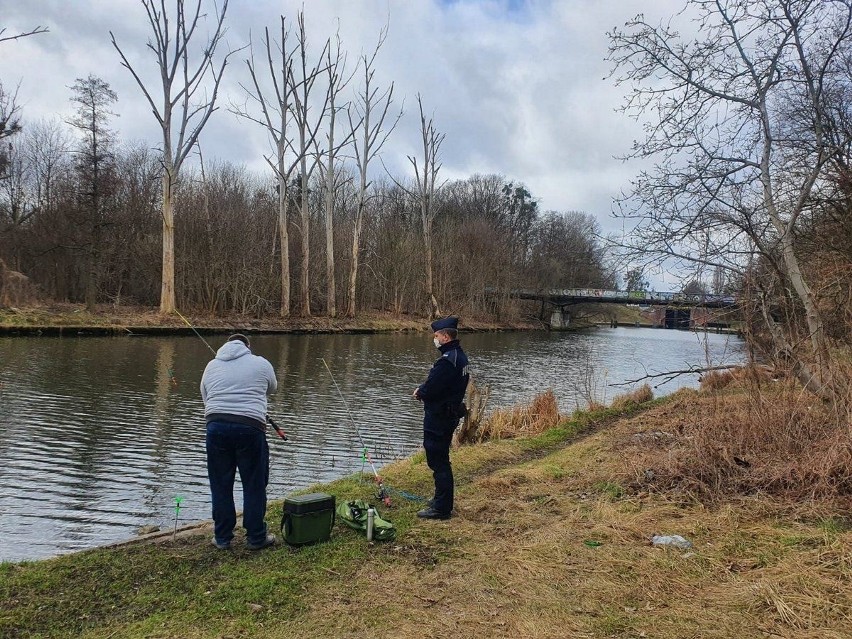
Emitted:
<point x="518" y="86"/>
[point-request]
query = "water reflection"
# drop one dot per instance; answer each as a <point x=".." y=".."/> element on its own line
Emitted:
<point x="99" y="435"/>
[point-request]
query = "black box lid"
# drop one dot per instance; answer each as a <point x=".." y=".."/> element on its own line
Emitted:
<point x="311" y="502"/>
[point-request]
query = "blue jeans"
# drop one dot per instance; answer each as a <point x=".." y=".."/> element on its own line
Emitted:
<point x="231" y="447"/>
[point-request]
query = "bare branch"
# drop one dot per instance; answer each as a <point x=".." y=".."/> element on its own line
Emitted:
<point x="37" y="30"/>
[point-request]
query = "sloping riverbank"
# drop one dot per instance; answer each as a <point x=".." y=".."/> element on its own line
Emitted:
<point x="74" y="319"/>
<point x="551" y="539"/>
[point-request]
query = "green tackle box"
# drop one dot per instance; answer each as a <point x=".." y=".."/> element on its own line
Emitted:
<point x="307" y="519"/>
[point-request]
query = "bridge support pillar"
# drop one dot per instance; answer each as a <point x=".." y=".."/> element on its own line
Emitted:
<point x="560" y="318"/>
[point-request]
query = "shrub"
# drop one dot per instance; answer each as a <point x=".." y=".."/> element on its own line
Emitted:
<point x="773" y="438"/>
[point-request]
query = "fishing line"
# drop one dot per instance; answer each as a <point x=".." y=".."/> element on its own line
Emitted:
<point x="366" y="452"/>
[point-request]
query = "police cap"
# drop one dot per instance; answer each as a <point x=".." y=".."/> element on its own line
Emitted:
<point x="447" y="322"/>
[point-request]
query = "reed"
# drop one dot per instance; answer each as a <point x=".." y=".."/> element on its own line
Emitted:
<point x="541" y="414"/>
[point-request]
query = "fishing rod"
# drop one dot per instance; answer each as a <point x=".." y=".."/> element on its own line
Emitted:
<point x="383" y="494"/>
<point x="269" y="420"/>
<point x="195" y="331"/>
<point x="277" y="428"/>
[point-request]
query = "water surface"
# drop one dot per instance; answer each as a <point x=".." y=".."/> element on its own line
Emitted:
<point x="98" y="435"/>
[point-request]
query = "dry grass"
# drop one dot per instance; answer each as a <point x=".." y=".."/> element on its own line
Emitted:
<point x="521" y="420"/>
<point x="745" y="375"/>
<point x="638" y="396"/>
<point x="549" y="549"/>
<point x="773" y="439"/>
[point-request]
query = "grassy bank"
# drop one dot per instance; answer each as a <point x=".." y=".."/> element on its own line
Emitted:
<point x="74" y="318"/>
<point x="551" y="539"/>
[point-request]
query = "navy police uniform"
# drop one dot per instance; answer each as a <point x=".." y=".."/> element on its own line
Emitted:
<point x="442" y="394"/>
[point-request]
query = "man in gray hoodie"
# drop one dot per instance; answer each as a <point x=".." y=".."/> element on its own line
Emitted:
<point x="234" y="388"/>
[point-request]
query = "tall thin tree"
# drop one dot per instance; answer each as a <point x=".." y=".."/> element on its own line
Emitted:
<point x="425" y="176"/>
<point x="335" y="69"/>
<point x="369" y="135"/>
<point x="187" y="94"/>
<point x="308" y="120"/>
<point x="274" y="116"/>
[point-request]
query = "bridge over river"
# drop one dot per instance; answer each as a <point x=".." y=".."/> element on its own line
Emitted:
<point x="677" y="314"/>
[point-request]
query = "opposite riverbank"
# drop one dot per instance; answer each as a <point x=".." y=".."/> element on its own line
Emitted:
<point x="62" y="319"/>
<point x="551" y="539"/>
<point x="74" y="319"/>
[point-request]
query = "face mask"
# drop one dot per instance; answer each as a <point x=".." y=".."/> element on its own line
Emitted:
<point x="436" y="342"/>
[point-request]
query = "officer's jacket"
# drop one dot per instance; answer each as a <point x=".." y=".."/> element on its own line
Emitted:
<point x="447" y="381"/>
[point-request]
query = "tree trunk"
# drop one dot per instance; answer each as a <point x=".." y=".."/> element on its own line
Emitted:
<point x="356" y="250"/>
<point x="822" y="370"/>
<point x="331" y="285"/>
<point x="284" y="236"/>
<point x="92" y="270"/>
<point x="329" y="259"/>
<point x="434" y="311"/>
<point x="167" y="292"/>
<point x="305" y="275"/>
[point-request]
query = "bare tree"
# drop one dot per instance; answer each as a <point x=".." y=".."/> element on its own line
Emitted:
<point x="17" y="204"/>
<point x="335" y="69"/>
<point x="10" y="111"/>
<point x="10" y="120"/>
<point x="307" y="125"/>
<point x="369" y="135"/>
<point x="47" y="151"/>
<point x="275" y="118"/>
<point x="185" y="95"/>
<point x="739" y="135"/>
<point x="425" y="176"/>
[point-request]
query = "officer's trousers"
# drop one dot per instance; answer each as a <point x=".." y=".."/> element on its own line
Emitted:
<point x="437" y="438"/>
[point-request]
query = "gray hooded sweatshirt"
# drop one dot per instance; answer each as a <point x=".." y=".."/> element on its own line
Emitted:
<point x="236" y="383"/>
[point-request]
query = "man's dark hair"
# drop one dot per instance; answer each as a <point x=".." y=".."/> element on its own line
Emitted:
<point x="240" y="337"/>
<point x="450" y="332"/>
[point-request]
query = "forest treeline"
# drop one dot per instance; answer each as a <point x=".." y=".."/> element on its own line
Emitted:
<point x="489" y="236"/>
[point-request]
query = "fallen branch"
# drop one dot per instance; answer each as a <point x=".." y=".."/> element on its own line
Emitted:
<point x="670" y="375"/>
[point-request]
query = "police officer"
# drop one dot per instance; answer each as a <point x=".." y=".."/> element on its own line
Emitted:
<point x="442" y="395"/>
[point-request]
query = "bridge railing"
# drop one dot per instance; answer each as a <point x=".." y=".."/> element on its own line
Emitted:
<point x="636" y="297"/>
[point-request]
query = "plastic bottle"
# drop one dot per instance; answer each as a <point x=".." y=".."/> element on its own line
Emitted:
<point x="370" y="514"/>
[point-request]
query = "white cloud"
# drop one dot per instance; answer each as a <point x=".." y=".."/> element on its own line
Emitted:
<point x="516" y="86"/>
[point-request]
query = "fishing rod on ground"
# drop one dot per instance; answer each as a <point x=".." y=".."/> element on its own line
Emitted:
<point x="384" y="491"/>
<point x="270" y="421"/>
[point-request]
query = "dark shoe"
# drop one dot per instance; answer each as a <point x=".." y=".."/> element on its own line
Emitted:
<point x="269" y="541"/>
<point x="222" y="545"/>
<point x="431" y="513"/>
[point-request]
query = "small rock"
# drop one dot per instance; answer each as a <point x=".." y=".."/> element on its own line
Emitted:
<point x="671" y="540"/>
<point x="147" y="530"/>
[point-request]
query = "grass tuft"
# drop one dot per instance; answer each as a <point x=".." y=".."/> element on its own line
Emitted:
<point x="638" y="396"/>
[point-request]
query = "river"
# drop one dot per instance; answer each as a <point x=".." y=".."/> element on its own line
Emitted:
<point x="99" y="435"/>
